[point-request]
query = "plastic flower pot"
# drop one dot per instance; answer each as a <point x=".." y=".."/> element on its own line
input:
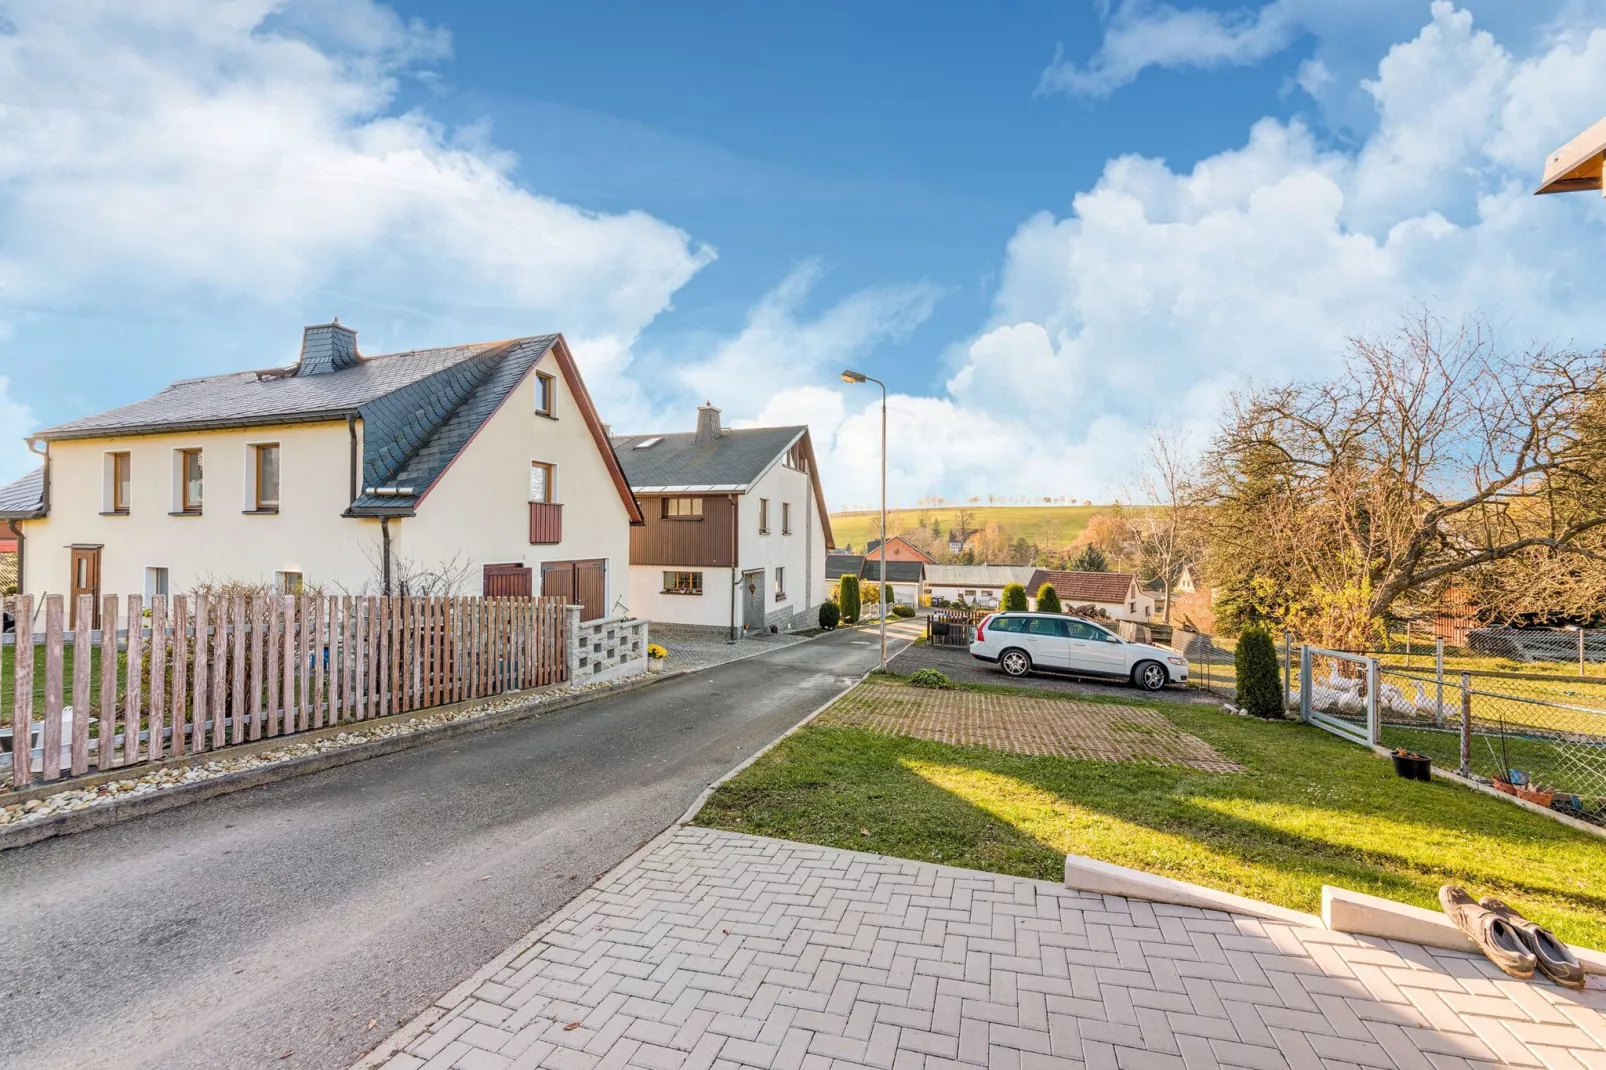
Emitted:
<point x="1412" y="766"/>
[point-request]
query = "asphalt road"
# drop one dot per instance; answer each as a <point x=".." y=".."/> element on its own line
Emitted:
<point x="270" y="927"/>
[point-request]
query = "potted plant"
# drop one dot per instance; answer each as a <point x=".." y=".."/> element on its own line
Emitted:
<point x="1412" y="766"/>
<point x="656" y="655"/>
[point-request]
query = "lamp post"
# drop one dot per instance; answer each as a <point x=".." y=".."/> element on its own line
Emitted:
<point x="850" y="376"/>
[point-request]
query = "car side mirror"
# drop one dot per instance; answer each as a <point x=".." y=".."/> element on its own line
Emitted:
<point x="1112" y="638"/>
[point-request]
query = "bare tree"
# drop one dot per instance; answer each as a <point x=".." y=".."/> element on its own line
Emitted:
<point x="1167" y="521"/>
<point x="1431" y="455"/>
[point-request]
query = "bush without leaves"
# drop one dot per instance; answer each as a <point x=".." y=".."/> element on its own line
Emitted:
<point x="1260" y="688"/>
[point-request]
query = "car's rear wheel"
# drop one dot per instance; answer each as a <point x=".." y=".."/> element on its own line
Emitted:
<point x="1015" y="662"/>
<point x="1150" y="675"/>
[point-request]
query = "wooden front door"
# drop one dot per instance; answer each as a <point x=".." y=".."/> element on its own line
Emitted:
<point x="85" y="580"/>
<point x="506" y="581"/>
<point x="582" y="582"/>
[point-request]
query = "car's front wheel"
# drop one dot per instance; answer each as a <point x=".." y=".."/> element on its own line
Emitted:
<point x="1149" y="675"/>
<point x="1015" y="662"/>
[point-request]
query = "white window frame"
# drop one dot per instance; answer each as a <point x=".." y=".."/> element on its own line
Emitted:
<point x="780" y="583"/>
<point x="281" y="581"/>
<point x="158" y="581"/>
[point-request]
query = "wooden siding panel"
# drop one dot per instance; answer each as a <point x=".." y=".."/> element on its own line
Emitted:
<point x="705" y="543"/>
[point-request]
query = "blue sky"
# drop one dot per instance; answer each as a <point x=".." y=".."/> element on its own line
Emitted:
<point x="1083" y="219"/>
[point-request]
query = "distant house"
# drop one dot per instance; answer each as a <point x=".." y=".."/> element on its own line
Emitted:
<point x="1118" y="594"/>
<point x="736" y="532"/>
<point x="839" y="565"/>
<point x="1193" y="601"/>
<point x="976" y="584"/>
<point x="899" y="549"/>
<point x="345" y="471"/>
<point x="905" y="579"/>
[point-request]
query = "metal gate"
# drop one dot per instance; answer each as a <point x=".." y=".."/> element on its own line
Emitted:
<point x="1338" y="692"/>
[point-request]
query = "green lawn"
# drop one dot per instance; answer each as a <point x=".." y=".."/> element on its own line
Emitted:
<point x="1312" y="809"/>
<point x="8" y="687"/>
<point x="1053" y="526"/>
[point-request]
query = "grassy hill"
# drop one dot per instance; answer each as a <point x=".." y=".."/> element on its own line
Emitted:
<point x="1053" y="526"/>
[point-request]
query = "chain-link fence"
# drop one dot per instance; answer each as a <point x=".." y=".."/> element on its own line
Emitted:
<point x="1540" y="737"/>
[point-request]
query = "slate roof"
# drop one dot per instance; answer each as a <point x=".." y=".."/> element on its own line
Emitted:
<point x="23" y="497"/>
<point x="839" y="565"/>
<point x="897" y="571"/>
<point x="979" y="575"/>
<point x="243" y="399"/>
<point x="418" y="409"/>
<point x="1079" y="588"/>
<point x="730" y="462"/>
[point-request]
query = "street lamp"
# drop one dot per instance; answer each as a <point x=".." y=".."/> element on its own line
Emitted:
<point x="850" y="376"/>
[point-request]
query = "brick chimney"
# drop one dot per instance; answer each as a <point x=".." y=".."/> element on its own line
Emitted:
<point x="327" y="347"/>
<point x="708" y="428"/>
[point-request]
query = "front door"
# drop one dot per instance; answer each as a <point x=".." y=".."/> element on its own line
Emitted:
<point x="752" y="601"/>
<point x="85" y="580"/>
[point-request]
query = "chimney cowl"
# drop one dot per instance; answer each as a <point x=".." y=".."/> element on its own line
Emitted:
<point x="708" y="427"/>
<point x="327" y="347"/>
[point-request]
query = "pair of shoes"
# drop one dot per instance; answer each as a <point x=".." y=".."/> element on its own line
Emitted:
<point x="1511" y="941"/>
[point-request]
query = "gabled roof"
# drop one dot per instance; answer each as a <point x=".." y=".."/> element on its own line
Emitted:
<point x="1080" y="587"/>
<point x="839" y="565"/>
<point x="897" y="571"/>
<point x="729" y="464"/>
<point x="875" y="544"/>
<point x="419" y="411"/>
<point x="23" y="497"/>
<point x="979" y="575"/>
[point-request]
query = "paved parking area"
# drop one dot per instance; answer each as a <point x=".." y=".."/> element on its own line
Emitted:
<point x="719" y="950"/>
<point x="1054" y="725"/>
<point x="957" y="663"/>
<point x="690" y="649"/>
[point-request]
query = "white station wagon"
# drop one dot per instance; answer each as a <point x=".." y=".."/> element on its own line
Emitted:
<point x="1019" y="643"/>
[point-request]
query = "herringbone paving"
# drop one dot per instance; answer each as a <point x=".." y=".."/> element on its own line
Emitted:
<point x="1025" y="724"/>
<point x="720" y="950"/>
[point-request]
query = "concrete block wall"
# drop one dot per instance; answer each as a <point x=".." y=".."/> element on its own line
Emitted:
<point x="603" y="650"/>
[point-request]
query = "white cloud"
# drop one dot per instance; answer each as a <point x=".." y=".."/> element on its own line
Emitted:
<point x="1142" y="34"/>
<point x="781" y="346"/>
<point x="251" y="150"/>
<point x="16" y="421"/>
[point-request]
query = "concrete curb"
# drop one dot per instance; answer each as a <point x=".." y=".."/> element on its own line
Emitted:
<point x="1344" y="911"/>
<point x="23" y="834"/>
<point x="708" y="792"/>
<point x="1090" y="875"/>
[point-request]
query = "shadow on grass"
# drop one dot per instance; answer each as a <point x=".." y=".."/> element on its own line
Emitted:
<point x="1311" y="810"/>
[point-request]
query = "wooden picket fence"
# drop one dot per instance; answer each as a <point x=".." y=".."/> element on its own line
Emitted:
<point x="204" y="672"/>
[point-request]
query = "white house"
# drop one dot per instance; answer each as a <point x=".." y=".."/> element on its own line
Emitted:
<point x="484" y="463"/>
<point x="736" y="531"/>
<point x="1117" y="594"/>
<point x="977" y="585"/>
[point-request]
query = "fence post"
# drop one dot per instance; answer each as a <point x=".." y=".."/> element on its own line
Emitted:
<point x="22" y="697"/>
<point x="1438" y="673"/>
<point x="1374" y="726"/>
<point x="571" y="642"/>
<point x="1288" y="668"/>
<point x="1466" y="724"/>
<point x="1304" y="682"/>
